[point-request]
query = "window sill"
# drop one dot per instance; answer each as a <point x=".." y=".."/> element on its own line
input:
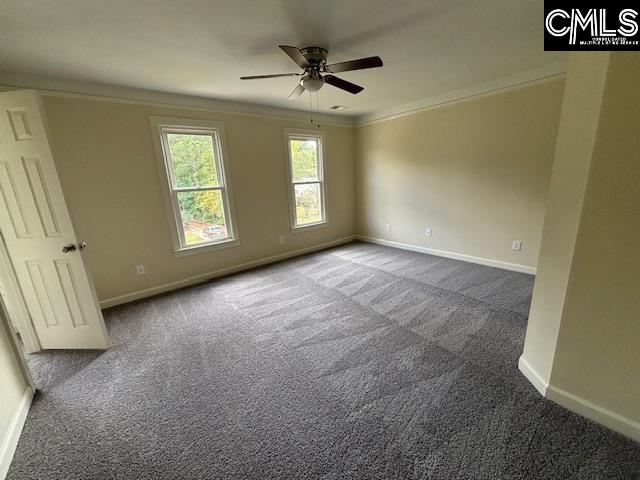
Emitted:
<point x="209" y="247"/>
<point x="310" y="226"/>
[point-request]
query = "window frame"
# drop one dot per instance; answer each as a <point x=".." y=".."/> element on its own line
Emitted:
<point x="319" y="136"/>
<point x="160" y="128"/>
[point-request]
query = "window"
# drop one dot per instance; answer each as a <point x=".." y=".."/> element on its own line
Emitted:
<point x="191" y="159"/>
<point x="306" y="178"/>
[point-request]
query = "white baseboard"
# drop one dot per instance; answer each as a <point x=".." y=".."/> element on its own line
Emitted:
<point x="515" y="267"/>
<point x="579" y="405"/>
<point x="534" y="378"/>
<point x="599" y="414"/>
<point x="10" y="442"/>
<point x="185" y="282"/>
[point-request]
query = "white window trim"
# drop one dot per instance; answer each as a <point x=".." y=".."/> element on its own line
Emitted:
<point x="316" y="135"/>
<point x="180" y="248"/>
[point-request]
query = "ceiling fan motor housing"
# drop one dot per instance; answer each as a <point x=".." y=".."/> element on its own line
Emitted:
<point x="312" y="81"/>
<point x="315" y="55"/>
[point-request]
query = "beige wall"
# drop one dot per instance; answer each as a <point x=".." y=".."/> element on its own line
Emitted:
<point x="598" y="355"/>
<point x="106" y="161"/>
<point x="12" y="388"/>
<point x="578" y="126"/>
<point x="476" y="172"/>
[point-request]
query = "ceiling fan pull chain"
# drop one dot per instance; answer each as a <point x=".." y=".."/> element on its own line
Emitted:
<point x="310" y="109"/>
<point x="317" y="110"/>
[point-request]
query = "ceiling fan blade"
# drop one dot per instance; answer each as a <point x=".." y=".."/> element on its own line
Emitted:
<point x="299" y="90"/>
<point x="343" y="84"/>
<point x="258" y="77"/>
<point x="296" y="55"/>
<point x="361" y="63"/>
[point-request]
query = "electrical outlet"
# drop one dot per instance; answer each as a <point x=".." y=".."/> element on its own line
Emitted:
<point x="140" y="270"/>
<point x="280" y="238"/>
<point x="516" y="246"/>
<point x="428" y="232"/>
<point x="387" y="226"/>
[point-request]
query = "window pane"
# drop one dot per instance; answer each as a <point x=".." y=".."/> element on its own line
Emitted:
<point x="193" y="159"/>
<point x="308" y="206"/>
<point x="304" y="160"/>
<point x="202" y="216"/>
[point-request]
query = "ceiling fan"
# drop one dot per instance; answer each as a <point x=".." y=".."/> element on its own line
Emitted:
<point x="316" y="71"/>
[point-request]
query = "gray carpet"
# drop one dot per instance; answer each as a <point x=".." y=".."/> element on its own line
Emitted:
<point x="360" y="362"/>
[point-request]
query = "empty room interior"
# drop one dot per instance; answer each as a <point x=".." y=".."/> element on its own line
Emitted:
<point x="287" y="239"/>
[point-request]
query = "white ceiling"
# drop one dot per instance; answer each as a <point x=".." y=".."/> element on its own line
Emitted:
<point x="202" y="47"/>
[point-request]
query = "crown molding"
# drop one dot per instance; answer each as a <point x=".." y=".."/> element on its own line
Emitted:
<point x="549" y="73"/>
<point x="112" y="93"/>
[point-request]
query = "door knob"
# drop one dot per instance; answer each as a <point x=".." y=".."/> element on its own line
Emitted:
<point x="69" y="248"/>
<point x="72" y="247"/>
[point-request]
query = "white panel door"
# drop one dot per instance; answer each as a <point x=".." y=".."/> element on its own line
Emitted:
<point x="38" y="232"/>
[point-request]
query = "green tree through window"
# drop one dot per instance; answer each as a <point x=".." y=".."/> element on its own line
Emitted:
<point x="304" y="160"/>
<point x="306" y="177"/>
<point x="193" y="161"/>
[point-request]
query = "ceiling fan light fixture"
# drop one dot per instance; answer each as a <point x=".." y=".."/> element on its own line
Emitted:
<point x="312" y="83"/>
